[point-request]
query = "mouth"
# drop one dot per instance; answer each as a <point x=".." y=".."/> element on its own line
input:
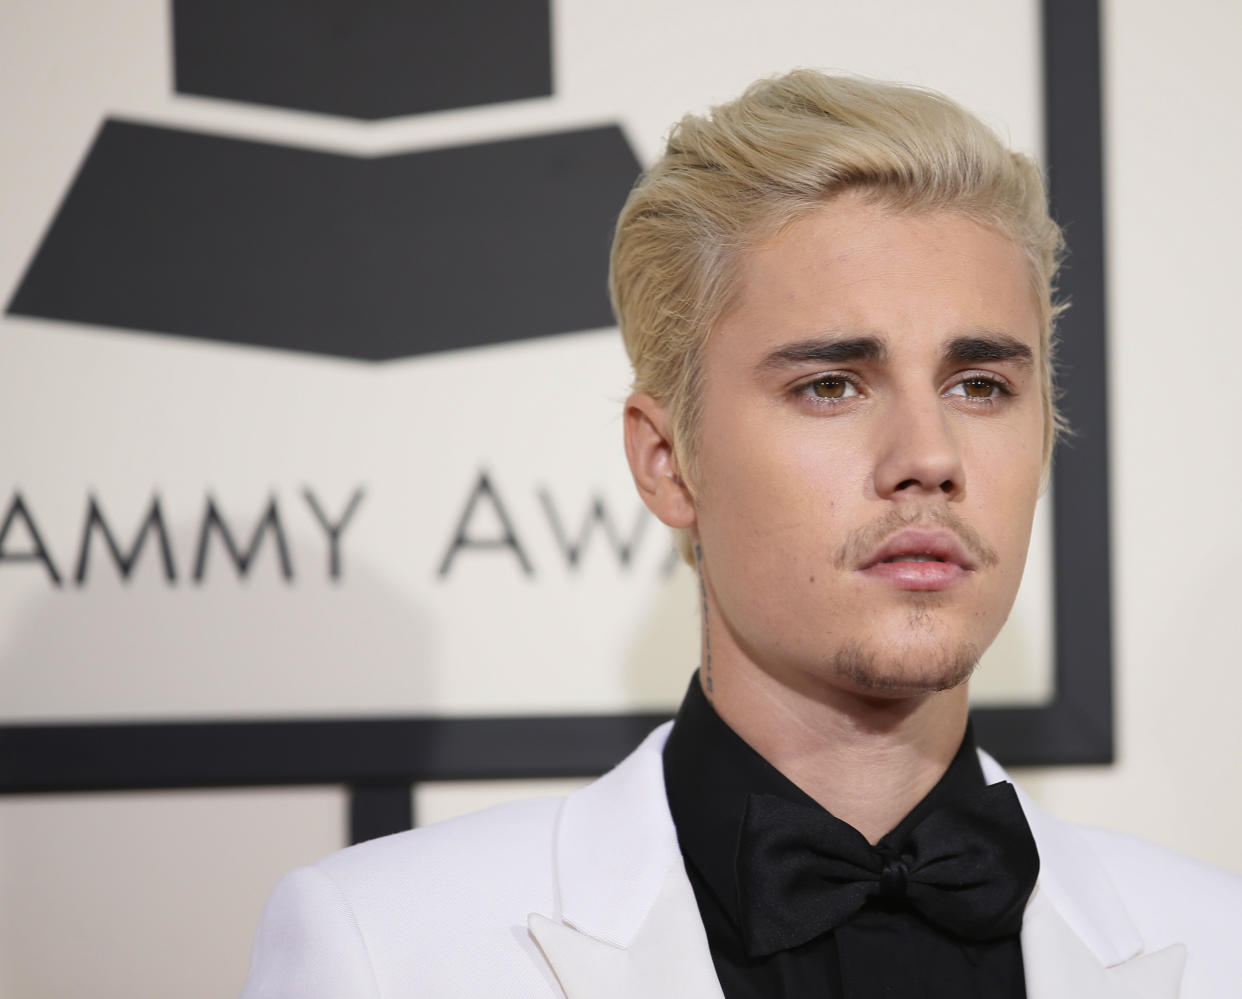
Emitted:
<point x="919" y="560"/>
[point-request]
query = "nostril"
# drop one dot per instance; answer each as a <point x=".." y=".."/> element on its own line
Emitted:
<point x="946" y="486"/>
<point x="907" y="483"/>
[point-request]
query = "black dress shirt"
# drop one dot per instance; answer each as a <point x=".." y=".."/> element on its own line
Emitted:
<point x="881" y="952"/>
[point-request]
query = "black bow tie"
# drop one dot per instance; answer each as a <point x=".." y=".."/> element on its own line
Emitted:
<point x="968" y="867"/>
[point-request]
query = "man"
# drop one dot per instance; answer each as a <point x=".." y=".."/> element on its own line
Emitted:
<point x="837" y="298"/>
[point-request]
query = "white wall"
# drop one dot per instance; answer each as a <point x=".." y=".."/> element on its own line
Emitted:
<point x="133" y="895"/>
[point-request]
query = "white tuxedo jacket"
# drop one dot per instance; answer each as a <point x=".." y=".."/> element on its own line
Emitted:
<point x="586" y="897"/>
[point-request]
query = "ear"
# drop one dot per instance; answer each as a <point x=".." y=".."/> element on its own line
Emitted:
<point x="653" y="463"/>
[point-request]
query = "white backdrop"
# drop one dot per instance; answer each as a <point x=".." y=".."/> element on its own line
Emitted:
<point x="132" y="894"/>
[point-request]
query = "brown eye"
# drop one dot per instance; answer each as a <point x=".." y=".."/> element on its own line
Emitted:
<point x="978" y="388"/>
<point x="830" y="388"/>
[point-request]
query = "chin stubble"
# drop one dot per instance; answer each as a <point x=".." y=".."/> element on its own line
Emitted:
<point x="868" y="669"/>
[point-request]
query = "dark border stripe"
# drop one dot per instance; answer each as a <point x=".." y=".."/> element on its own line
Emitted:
<point x="1078" y="726"/>
<point x="323" y="751"/>
<point x="379" y="809"/>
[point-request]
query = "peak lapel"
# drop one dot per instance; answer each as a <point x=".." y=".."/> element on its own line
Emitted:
<point x="1078" y="939"/>
<point x="628" y="926"/>
<point x="667" y="959"/>
<point x="1060" y="965"/>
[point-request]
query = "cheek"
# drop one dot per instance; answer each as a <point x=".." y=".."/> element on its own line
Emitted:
<point x="774" y="497"/>
<point x="1004" y="489"/>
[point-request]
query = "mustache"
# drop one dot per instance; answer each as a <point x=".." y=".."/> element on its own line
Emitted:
<point x="864" y="540"/>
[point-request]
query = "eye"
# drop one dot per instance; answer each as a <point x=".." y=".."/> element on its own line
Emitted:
<point x="832" y="387"/>
<point x="982" y="389"/>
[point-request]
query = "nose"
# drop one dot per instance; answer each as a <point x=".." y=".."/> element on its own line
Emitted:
<point x="918" y="454"/>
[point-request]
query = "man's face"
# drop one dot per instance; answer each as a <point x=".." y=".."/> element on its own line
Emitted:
<point x="870" y="450"/>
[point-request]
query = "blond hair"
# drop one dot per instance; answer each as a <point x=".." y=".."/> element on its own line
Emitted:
<point x="732" y="178"/>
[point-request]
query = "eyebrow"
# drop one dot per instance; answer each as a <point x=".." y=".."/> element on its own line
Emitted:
<point x="981" y="347"/>
<point x="987" y="347"/>
<point x="826" y="350"/>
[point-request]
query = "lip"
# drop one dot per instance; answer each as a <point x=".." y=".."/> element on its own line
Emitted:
<point x="953" y="566"/>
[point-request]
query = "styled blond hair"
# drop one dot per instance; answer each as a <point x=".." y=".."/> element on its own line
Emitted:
<point x="731" y="179"/>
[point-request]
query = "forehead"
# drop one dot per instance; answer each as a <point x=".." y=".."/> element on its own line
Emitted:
<point x="855" y="268"/>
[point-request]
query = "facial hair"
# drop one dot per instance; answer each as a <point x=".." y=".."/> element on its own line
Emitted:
<point x="890" y="672"/>
<point x="893" y="670"/>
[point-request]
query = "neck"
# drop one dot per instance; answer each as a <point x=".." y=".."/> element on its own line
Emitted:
<point x="867" y="759"/>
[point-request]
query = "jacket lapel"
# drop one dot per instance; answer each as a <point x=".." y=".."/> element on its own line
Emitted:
<point x="628" y="926"/>
<point x="1077" y="938"/>
<point x="1059" y="964"/>
<point x="668" y="956"/>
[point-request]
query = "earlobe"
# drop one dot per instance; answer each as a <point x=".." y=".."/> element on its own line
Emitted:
<point x="653" y="462"/>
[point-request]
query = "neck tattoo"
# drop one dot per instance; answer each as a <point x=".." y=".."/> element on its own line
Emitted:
<point x="707" y="628"/>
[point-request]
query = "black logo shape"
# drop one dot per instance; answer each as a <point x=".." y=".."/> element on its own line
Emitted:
<point x="364" y="58"/>
<point x="170" y="231"/>
<point x="246" y="242"/>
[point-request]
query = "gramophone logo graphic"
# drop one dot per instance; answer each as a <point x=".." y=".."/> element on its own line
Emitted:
<point x="189" y="234"/>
